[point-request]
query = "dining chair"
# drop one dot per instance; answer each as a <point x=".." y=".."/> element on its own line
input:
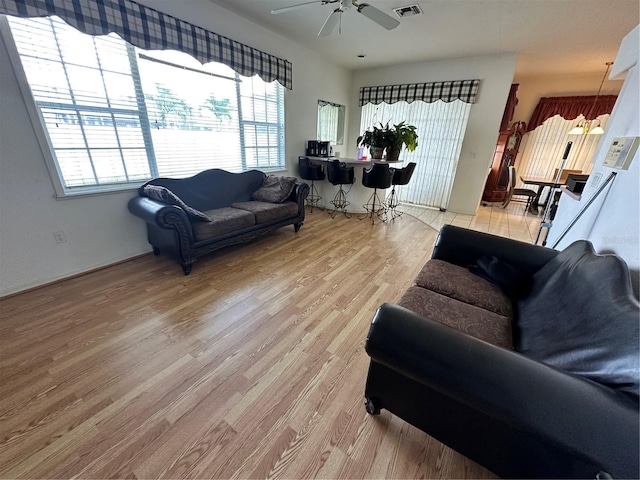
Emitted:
<point x="525" y="192"/>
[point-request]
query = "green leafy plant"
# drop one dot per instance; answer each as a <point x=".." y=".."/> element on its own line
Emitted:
<point x="402" y="135"/>
<point x="375" y="138"/>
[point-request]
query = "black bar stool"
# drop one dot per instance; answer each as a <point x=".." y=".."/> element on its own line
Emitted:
<point x="311" y="171"/>
<point x="378" y="176"/>
<point x="339" y="174"/>
<point x="401" y="176"/>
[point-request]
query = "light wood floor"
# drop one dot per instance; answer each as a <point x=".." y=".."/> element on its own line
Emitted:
<point x="251" y="367"/>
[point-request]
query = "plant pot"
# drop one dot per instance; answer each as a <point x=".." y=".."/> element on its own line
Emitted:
<point x="393" y="154"/>
<point x="376" y="152"/>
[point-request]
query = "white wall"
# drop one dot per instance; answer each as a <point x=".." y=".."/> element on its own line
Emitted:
<point x="612" y="222"/>
<point x="99" y="229"/>
<point x="496" y="75"/>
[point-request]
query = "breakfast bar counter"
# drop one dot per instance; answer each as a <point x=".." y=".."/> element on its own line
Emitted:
<point x="358" y="193"/>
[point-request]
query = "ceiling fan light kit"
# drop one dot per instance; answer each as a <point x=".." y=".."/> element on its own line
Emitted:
<point x="335" y="17"/>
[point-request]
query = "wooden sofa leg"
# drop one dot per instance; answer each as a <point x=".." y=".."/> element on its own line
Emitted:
<point x="297" y="226"/>
<point x="186" y="267"/>
<point x="156" y="251"/>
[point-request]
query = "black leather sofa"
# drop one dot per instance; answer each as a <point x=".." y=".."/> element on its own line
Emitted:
<point x="546" y="387"/>
<point x="213" y="209"/>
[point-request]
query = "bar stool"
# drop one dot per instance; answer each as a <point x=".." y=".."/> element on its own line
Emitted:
<point x="339" y="174"/>
<point x="311" y="171"/>
<point x="378" y="176"/>
<point x="401" y="176"/>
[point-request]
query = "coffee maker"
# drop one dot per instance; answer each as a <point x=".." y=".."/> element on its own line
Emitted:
<point x="312" y="148"/>
<point x="323" y="149"/>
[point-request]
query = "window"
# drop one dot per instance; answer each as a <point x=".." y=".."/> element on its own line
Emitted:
<point x="542" y="149"/>
<point x="115" y="115"/>
<point x="441" y="127"/>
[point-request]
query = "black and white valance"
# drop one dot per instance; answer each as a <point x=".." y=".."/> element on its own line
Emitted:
<point x="150" y="29"/>
<point x="465" y="90"/>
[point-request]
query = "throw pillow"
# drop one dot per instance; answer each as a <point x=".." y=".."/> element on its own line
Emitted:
<point x="275" y="189"/>
<point x="502" y="274"/>
<point x="582" y="317"/>
<point x="165" y="195"/>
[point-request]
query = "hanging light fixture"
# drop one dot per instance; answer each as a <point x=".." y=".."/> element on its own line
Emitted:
<point x="586" y="126"/>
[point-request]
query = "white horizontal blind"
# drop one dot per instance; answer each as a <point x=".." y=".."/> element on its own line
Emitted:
<point x="84" y="90"/>
<point x="192" y="113"/>
<point x="262" y="123"/>
<point x="542" y="149"/>
<point x="441" y="127"/>
<point x="115" y="114"/>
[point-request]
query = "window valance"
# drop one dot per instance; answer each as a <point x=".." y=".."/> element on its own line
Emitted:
<point x="465" y="90"/>
<point x="150" y="29"/>
<point x="571" y="108"/>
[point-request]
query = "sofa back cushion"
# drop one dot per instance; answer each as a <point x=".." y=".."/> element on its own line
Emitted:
<point x="581" y="316"/>
<point x="275" y="189"/>
<point x="213" y="188"/>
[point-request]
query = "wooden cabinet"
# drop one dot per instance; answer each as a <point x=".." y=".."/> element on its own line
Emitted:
<point x="504" y="157"/>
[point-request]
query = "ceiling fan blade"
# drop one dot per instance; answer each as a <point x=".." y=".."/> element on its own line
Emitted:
<point x="278" y="11"/>
<point x="330" y="23"/>
<point x="378" y="16"/>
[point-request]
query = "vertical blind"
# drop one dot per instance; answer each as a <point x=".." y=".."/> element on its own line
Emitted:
<point x="441" y="127"/>
<point x="542" y="149"/>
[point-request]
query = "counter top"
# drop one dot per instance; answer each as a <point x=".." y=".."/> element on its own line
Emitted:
<point x="352" y="161"/>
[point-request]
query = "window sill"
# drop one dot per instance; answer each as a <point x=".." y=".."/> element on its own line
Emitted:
<point x="93" y="192"/>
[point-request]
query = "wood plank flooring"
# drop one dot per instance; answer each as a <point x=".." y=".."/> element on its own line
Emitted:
<point x="251" y="367"/>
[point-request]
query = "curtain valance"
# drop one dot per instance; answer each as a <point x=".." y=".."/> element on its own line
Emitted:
<point x="570" y="108"/>
<point x="465" y="90"/>
<point x="150" y="29"/>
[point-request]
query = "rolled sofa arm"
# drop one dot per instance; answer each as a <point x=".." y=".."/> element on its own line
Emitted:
<point x="298" y="195"/>
<point x="567" y="411"/>
<point x="463" y="247"/>
<point x="162" y="215"/>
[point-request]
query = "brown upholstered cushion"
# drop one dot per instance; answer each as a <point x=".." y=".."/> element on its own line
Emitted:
<point x="267" y="212"/>
<point x="165" y="195"/>
<point x="223" y="220"/>
<point x="275" y="189"/>
<point x="459" y="283"/>
<point x="469" y="319"/>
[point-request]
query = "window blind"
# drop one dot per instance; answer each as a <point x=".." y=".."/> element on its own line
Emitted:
<point x="115" y="114"/>
<point x="542" y="149"/>
<point x="441" y="127"/>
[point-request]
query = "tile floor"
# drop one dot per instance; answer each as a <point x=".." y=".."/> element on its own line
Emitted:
<point x="509" y="222"/>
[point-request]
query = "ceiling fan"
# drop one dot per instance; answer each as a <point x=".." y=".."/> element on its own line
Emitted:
<point x="335" y="17"/>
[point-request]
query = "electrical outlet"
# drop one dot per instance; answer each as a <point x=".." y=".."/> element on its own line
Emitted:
<point x="60" y="237"/>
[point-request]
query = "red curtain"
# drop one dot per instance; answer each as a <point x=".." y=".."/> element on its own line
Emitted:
<point x="570" y="108"/>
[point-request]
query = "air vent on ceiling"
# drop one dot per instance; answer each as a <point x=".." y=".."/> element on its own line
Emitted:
<point x="408" y="11"/>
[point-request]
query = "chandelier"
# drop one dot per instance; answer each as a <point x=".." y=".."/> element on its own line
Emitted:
<point x="591" y="127"/>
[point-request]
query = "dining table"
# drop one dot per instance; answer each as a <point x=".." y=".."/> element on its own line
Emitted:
<point x="541" y="182"/>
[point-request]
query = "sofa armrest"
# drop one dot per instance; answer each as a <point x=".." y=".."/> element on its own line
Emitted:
<point x="162" y="215"/>
<point x="463" y="247"/>
<point x="298" y="195"/>
<point x="571" y="413"/>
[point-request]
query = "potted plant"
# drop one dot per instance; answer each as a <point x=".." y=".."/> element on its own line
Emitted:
<point x="376" y="139"/>
<point x="401" y="135"/>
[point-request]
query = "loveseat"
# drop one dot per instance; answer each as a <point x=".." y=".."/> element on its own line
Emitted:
<point x="190" y="217"/>
<point x="522" y="358"/>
